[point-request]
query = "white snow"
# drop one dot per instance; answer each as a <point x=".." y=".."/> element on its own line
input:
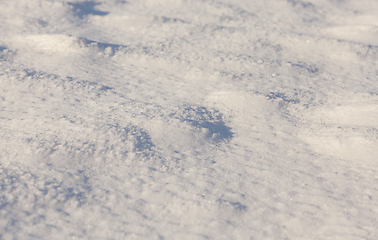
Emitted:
<point x="188" y="119"/>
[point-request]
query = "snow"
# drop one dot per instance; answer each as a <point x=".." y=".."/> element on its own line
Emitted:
<point x="188" y="119"/>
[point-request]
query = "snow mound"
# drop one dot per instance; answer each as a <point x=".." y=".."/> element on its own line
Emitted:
<point x="366" y="34"/>
<point x="359" y="115"/>
<point x="62" y="44"/>
<point x="53" y="44"/>
<point x="347" y="131"/>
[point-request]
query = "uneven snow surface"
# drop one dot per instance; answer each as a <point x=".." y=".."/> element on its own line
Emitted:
<point x="188" y="119"/>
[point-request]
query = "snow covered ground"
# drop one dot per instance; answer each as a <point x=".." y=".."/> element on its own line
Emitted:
<point x="189" y="119"/>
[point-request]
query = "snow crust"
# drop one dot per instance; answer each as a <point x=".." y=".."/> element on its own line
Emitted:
<point x="188" y="119"/>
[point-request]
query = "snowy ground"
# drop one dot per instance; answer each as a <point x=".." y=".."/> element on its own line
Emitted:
<point x="189" y="119"/>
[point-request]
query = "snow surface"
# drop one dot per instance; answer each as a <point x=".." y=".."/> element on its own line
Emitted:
<point x="188" y="119"/>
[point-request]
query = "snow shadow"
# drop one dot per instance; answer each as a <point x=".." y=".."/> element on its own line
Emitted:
<point x="103" y="47"/>
<point x="305" y="69"/>
<point x="2" y="55"/>
<point x="82" y="9"/>
<point x="209" y="119"/>
<point x="302" y="4"/>
<point x="141" y="140"/>
<point x="168" y="20"/>
<point x="278" y="95"/>
<point x="236" y="206"/>
<point x="17" y="184"/>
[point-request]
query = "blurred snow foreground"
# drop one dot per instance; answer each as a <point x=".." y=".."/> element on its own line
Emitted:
<point x="191" y="119"/>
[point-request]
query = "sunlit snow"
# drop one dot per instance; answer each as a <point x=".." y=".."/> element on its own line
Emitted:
<point x="188" y="119"/>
